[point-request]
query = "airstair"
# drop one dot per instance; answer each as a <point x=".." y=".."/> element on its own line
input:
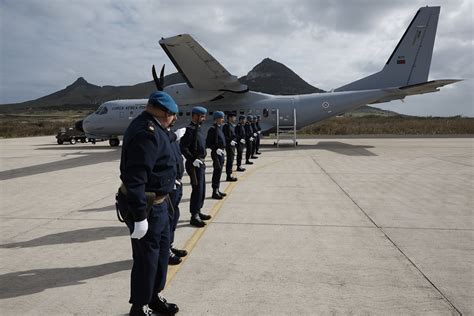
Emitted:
<point x="285" y="132"/>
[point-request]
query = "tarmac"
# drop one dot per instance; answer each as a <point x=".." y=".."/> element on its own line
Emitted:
<point x="371" y="226"/>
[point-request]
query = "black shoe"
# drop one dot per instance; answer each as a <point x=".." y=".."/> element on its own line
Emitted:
<point x="179" y="252"/>
<point x="217" y="196"/>
<point x="222" y="193"/>
<point x="258" y="153"/>
<point x="137" y="310"/>
<point x="173" y="259"/>
<point x="248" y="162"/>
<point x="161" y="306"/>
<point x="254" y="157"/>
<point x="230" y="179"/>
<point x="240" y="169"/>
<point x="204" y="217"/>
<point x="196" y="221"/>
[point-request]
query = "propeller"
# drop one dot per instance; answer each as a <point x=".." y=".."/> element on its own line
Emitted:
<point x="159" y="82"/>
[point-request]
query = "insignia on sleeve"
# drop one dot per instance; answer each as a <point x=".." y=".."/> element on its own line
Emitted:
<point x="150" y="127"/>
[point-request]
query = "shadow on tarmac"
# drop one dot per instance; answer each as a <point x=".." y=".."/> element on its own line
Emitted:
<point x="34" y="281"/>
<point x="336" y="147"/>
<point x="100" y="209"/>
<point x="71" y="237"/>
<point x="85" y="159"/>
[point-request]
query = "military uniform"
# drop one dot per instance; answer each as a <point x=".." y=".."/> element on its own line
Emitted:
<point x="216" y="142"/>
<point x="248" y="141"/>
<point x="259" y="134"/>
<point x="230" y="145"/>
<point x="147" y="165"/>
<point x="255" y="136"/>
<point x="240" y="138"/>
<point x="193" y="148"/>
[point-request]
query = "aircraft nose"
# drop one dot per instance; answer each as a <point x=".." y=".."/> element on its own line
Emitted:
<point x="79" y="125"/>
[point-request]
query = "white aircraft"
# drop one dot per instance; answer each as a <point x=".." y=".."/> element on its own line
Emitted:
<point x="209" y="84"/>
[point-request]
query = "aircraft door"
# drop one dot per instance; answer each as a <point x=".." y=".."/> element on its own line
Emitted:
<point x="286" y="112"/>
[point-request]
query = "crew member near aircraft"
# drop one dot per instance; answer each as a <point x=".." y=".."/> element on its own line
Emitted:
<point x="248" y="140"/>
<point x="240" y="138"/>
<point x="175" y="198"/>
<point x="253" y="124"/>
<point x="230" y="144"/>
<point x="147" y="171"/>
<point x="215" y="140"/>
<point x="259" y="134"/>
<point x="193" y="148"/>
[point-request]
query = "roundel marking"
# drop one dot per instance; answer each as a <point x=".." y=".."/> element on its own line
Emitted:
<point x="325" y="104"/>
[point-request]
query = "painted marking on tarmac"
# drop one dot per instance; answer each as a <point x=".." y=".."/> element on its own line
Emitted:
<point x="191" y="243"/>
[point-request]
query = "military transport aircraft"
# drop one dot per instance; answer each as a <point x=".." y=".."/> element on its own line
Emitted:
<point x="209" y="84"/>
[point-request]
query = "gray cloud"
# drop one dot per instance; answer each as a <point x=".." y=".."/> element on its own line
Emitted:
<point x="46" y="45"/>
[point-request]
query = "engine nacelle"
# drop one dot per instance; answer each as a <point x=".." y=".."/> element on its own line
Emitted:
<point x="184" y="95"/>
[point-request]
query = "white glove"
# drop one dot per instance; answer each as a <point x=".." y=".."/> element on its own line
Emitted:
<point x="233" y="143"/>
<point x="251" y="139"/>
<point x="255" y="134"/>
<point x="260" y="132"/>
<point x="177" y="182"/>
<point x="197" y="163"/>
<point x="220" y="152"/>
<point x="242" y="141"/>
<point x="140" y="229"/>
<point x="180" y="133"/>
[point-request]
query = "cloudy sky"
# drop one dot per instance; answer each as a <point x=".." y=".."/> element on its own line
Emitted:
<point x="46" y="45"/>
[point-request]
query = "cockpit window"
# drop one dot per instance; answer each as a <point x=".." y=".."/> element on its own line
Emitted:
<point x="102" y="110"/>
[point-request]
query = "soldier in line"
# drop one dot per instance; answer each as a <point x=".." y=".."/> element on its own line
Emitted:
<point x="193" y="148"/>
<point x="175" y="198"/>
<point x="255" y="136"/>
<point x="147" y="171"/>
<point x="259" y="134"/>
<point x="230" y="144"/>
<point x="240" y="139"/>
<point x="249" y="139"/>
<point x="216" y="142"/>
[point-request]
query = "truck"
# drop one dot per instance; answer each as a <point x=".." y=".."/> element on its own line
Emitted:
<point x="71" y="135"/>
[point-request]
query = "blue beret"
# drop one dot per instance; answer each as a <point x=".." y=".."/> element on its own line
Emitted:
<point x="249" y="117"/>
<point x="199" y="110"/>
<point x="163" y="100"/>
<point x="218" y="114"/>
<point x="242" y="117"/>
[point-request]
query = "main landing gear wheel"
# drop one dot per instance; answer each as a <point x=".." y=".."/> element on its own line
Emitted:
<point x="72" y="141"/>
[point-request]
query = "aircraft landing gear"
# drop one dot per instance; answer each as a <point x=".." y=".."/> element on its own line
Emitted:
<point x="114" y="142"/>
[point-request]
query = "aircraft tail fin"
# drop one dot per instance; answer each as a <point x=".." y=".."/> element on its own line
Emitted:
<point x="409" y="63"/>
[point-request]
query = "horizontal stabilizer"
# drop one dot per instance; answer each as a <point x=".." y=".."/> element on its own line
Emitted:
<point x="200" y="70"/>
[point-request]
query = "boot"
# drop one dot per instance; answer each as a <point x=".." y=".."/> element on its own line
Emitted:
<point x="216" y="195"/>
<point x="222" y="193"/>
<point x="173" y="259"/>
<point x="162" y="307"/>
<point x="248" y="162"/>
<point x="204" y="217"/>
<point x="230" y="179"/>
<point x="254" y="157"/>
<point x="179" y="252"/>
<point x="137" y="310"/>
<point x="196" y="221"/>
<point x="240" y="169"/>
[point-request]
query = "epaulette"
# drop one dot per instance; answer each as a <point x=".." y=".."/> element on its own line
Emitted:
<point x="150" y="127"/>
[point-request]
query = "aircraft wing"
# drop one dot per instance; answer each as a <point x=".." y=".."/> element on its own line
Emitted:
<point x="420" y="88"/>
<point x="200" y="70"/>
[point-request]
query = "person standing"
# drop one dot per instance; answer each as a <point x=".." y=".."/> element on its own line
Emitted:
<point x="193" y="148"/>
<point x="230" y="144"/>
<point x="259" y="135"/>
<point x="248" y="140"/>
<point x="216" y="142"/>
<point x="240" y="138"/>
<point x="147" y="172"/>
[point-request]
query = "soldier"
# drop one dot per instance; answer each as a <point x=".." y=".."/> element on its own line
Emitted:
<point x="255" y="136"/>
<point x="193" y="148"/>
<point x="216" y="142"/>
<point x="175" y="199"/>
<point x="240" y="138"/>
<point x="259" y="134"/>
<point x="248" y="140"/>
<point x="230" y="143"/>
<point x="147" y="173"/>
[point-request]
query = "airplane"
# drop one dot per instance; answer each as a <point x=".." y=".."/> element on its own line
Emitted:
<point x="209" y="84"/>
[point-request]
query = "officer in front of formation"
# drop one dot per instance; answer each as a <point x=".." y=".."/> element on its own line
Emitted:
<point x="215" y="140"/>
<point x="230" y="145"/>
<point x="249" y="140"/>
<point x="148" y="175"/>
<point x="193" y="148"/>
<point x="240" y="138"/>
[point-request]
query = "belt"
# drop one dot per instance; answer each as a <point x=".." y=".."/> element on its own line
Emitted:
<point x="151" y="197"/>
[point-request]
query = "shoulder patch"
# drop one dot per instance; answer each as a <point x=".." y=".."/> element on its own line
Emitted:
<point x="150" y="127"/>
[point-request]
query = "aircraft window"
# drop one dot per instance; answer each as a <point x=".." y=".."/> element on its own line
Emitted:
<point x="102" y="111"/>
<point x="265" y="112"/>
<point x="180" y="114"/>
<point x="188" y="113"/>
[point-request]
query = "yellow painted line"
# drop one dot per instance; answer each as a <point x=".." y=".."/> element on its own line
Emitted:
<point x="191" y="242"/>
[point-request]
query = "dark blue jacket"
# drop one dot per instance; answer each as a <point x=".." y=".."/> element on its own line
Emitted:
<point x="215" y="138"/>
<point x="147" y="163"/>
<point x="248" y="131"/>
<point x="178" y="155"/>
<point x="240" y="132"/>
<point x="192" y="143"/>
<point x="229" y="133"/>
